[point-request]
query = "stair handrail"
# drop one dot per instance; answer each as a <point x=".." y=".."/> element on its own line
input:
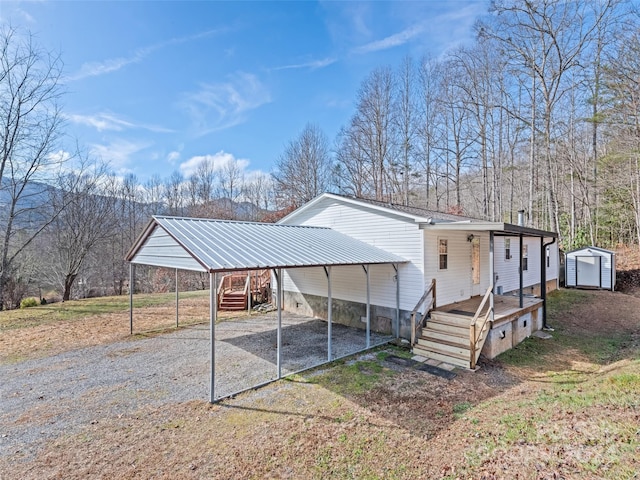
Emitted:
<point x="431" y="290"/>
<point x="476" y="334"/>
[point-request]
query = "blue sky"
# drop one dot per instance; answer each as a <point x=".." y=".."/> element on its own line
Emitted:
<point x="153" y="87"/>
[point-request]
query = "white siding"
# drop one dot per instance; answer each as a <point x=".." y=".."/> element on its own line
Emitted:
<point x="455" y="283"/>
<point x="506" y="270"/>
<point x="387" y="232"/>
<point x="161" y="250"/>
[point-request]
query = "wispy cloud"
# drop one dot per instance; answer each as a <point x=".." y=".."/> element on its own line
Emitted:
<point x="105" y="121"/>
<point x="93" y="69"/>
<point x="391" y="41"/>
<point x="217" y="106"/>
<point x="218" y="161"/>
<point x="311" y="65"/>
<point x="118" y="153"/>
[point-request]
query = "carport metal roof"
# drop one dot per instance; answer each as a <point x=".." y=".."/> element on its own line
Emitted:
<point x="223" y="245"/>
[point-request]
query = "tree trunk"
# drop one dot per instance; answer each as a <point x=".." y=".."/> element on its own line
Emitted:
<point x="68" y="284"/>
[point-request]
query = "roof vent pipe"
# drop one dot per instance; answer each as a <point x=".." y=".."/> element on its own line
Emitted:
<point x="521" y="218"/>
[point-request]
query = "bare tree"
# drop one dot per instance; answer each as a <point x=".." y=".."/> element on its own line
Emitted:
<point x="304" y="170"/>
<point x="88" y="221"/>
<point x="30" y="126"/>
<point x="547" y="38"/>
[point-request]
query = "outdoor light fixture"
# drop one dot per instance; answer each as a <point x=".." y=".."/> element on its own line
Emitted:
<point x="470" y="237"/>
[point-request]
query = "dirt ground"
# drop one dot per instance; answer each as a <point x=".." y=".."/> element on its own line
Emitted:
<point x="508" y="420"/>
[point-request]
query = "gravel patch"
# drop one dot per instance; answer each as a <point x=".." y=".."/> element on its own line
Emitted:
<point x="44" y="398"/>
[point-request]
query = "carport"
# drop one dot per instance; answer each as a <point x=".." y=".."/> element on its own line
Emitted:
<point x="214" y="246"/>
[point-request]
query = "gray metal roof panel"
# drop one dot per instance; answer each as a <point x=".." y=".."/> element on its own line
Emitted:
<point x="232" y="245"/>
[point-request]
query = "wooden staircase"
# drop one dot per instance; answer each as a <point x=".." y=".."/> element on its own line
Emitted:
<point x="233" y="300"/>
<point x="236" y="289"/>
<point x="445" y="338"/>
<point x="454" y="338"/>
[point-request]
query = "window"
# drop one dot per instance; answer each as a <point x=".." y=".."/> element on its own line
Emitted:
<point x="525" y="257"/>
<point x="443" y="253"/>
<point x="507" y="248"/>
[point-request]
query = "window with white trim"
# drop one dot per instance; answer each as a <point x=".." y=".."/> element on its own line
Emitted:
<point x="525" y="257"/>
<point x="507" y="248"/>
<point x="443" y="253"/>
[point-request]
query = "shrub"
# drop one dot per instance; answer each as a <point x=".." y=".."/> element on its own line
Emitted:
<point x="28" y="302"/>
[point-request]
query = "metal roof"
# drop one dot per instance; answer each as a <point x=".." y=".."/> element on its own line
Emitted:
<point x="223" y="245"/>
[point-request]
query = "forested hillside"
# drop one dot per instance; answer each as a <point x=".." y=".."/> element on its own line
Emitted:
<point x="541" y="113"/>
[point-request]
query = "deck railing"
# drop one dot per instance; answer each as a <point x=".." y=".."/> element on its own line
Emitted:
<point x="477" y="332"/>
<point x="246" y="282"/>
<point x="416" y="325"/>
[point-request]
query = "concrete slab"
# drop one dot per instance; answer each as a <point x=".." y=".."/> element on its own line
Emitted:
<point x="542" y="335"/>
<point x="419" y="358"/>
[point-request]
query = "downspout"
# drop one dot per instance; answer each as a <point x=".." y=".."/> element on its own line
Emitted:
<point x="543" y="280"/>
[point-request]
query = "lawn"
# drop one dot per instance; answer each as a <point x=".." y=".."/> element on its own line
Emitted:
<point x="568" y="407"/>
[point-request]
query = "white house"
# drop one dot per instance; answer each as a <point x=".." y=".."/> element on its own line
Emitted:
<point x="460" y="255"/>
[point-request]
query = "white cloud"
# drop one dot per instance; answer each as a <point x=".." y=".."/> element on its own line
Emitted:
<point x="311" y="65"/>
<point x="108" y="121"/>
<point x="217" y="160"/>
<point x="173" y="157"/>
<point x="391" y="41"/>
<point x="217" y="106"/>
<point x="93" y="69"/>
<point x="118" y="153"/>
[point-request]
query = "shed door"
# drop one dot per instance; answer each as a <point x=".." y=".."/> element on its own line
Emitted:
<point x="588" y="271"/>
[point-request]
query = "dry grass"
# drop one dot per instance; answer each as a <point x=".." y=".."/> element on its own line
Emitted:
<point x="564" y="408"/>
<point x="46" y="330"/>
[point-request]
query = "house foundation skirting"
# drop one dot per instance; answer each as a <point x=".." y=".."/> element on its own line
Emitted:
<point x="345" y="312"/>
<point x="508" y="334"/>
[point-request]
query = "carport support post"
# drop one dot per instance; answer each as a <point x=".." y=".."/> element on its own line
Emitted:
<point x="327" y="271"/>
<point x="279" y="337"/>
<point x="177" y="298"/>
<point x="395" y="267"/>
<point x="132" y="274"/>
<point x="213" y="310"/>
<point x="366" y="271"/>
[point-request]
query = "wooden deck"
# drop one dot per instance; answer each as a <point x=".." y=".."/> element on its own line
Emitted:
<point x="506" y="307"/>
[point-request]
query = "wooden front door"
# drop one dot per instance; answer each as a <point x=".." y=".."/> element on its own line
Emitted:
<point x="475" y="267"/>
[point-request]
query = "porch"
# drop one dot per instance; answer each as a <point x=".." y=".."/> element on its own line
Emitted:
<point x="457" y="333"/>
<point x="505" y="307"/>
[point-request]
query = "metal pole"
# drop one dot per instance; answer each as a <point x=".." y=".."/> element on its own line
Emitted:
<point x="131" y="287"/>
<point x="329" y="311"/>
<point x="521" y="273"/>
<point x="177" y="298"/>
<point x="279" y="338"/>
<point x="395" y="267"/>
<point x="213" y="310"/>
<point x="492" y="274"/>
<point x="366" y="271"/>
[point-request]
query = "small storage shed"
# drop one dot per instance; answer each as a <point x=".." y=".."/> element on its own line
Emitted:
<point x="590" y="267"/>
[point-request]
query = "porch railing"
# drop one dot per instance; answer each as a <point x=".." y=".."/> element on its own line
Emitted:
<point x="417" y="320"/>
<point x="479" y="326"/>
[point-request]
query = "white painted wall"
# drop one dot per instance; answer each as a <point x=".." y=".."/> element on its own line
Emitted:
<point x="506" y="270"/>
<point x="455" y="283"/>
<point x="393" y="233"/>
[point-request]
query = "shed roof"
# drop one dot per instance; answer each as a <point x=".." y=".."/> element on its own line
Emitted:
<point x="223" y="245"/>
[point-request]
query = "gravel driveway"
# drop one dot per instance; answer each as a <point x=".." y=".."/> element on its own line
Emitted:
<point x="44" y="398"/>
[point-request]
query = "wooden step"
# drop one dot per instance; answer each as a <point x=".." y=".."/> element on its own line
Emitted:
<point x="419" y="350"/>
<point x="445" y="349"/>
<point x="451" y="339"/>
<point x="446" y="328"/>
<point x="451" y="319"/>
